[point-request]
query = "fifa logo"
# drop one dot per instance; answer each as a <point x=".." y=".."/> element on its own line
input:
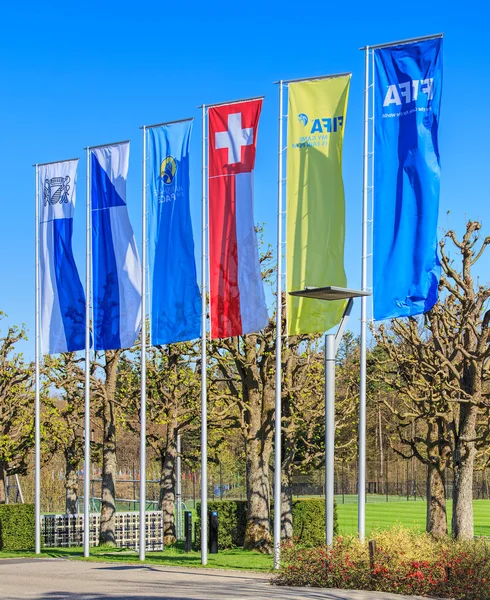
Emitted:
<point x="325" y="125"/>
<point x="409" y="91"/>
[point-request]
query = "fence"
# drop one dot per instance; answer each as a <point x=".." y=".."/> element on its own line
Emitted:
<point x="388" y="481"/>
<point x="397" y="481"/>
<point x="65" y="531"/>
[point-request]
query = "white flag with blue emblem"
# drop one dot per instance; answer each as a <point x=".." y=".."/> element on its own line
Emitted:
<point x="62" y="299"/>
<point x="116" y="265"/>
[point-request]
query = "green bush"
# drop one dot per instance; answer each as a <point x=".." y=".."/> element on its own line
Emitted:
<point x="232" y="520"/>
<point x="17" y="527"/>
<point x="308" y="522"/>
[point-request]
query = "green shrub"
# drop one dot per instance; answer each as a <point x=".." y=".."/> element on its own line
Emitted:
<point x="308" y="522"/>
<point x="232" y="520"/>
<point x="17" y="527"/>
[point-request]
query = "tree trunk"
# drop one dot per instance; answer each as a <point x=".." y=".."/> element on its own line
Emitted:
<point x="464" y="458"/>
<point x="437" y="456"/>
<point x="436" y="523"/>
<point x="109" y="471"/>
<point x="71" y="485"/>
<point x="167" y="489"/>
<point x="286" y="505"/>
<point x="3" y="483"/>
<point x="107" y="533"/>
<point x="257" y="533"/>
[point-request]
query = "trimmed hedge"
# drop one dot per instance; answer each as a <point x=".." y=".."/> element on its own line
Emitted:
<point x="17" y="527"/>
<point x="308" y="522"/>
<point x="232" y="520"/>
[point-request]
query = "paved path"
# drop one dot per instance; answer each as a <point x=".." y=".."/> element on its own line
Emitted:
<point x="58" y="579"/>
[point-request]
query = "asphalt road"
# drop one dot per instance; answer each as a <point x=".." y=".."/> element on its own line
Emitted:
<point x="58" y="579"/>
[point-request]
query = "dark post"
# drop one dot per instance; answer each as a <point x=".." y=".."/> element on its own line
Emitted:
<point x="372" y="554"/>
<point x="213" y="532"/>
<point x="408" y="485"/>
<point x="343" y="497"/>
<point x="220" y="481"/>
<point x="187" y="531"/>
<point x="386" y="479"/>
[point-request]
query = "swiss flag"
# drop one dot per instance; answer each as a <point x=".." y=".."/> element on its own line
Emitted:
<point x="236" y="290"/>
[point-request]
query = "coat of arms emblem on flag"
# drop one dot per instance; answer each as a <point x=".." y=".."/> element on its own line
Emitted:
<point x="56" y="190"/>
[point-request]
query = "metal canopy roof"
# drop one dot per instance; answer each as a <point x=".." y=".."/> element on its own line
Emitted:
<point x="330" y="292"/>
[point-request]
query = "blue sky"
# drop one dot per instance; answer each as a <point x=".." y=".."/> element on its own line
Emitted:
<point x="78" y="74"/>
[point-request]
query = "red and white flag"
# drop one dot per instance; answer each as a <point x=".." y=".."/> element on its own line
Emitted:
<point x="236" y="290"/>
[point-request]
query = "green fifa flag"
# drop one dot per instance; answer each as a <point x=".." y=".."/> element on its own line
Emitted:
<point x="315" y="205"/>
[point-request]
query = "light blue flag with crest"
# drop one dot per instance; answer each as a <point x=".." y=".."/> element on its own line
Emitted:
<point x="62" y="296"/>
<point x="175" y="298"/>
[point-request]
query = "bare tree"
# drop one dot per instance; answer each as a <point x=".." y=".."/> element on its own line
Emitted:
<point x="173" y="405"/>
<point x="246" y="373"/>
<point x="441" y="371"/>
<point x="105" y="393"/>
<point x="407" y="364"/>
<point x="65" y="425"/>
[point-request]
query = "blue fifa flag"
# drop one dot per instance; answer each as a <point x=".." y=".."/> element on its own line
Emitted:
<point x="175" y="297"/>
<point x="406" y="267"/>
<point x="62" y="299"/>
<point x="115" y="261"/>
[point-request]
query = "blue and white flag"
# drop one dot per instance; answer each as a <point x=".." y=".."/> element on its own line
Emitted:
<point x="406" y="267"/>
<point x="115" y="261"/>
<point x="62" y="299"/>
<point x="175" y="297"/>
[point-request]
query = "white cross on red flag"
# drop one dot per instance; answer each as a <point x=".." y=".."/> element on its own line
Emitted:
<point x="236" y="291"/>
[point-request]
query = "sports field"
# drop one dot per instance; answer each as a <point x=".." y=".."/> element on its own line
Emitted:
<point x="383" y="515"/>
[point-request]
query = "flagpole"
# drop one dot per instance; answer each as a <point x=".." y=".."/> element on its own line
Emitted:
<point x="143" y="364"/>
<point x="37" y="417"/>
<point x="204" y="422"/>
<point x="278" y="407"/>
<point x="361" y="491"/>
<point x="86" y="468"/>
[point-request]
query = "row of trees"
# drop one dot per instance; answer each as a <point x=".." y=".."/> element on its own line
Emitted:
<point x="428" y="384"/>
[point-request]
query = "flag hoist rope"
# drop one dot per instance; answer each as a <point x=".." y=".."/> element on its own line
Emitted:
<point x="88" y="266"/>
<point x="37" y="408"/>
<point x="144" y="248"/>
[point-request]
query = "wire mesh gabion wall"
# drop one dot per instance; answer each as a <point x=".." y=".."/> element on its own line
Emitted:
<point x="64" y="531"/>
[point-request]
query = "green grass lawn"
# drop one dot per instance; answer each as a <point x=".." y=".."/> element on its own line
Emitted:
<point x="382" y="515"/>
<point x="174" y="556"/>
